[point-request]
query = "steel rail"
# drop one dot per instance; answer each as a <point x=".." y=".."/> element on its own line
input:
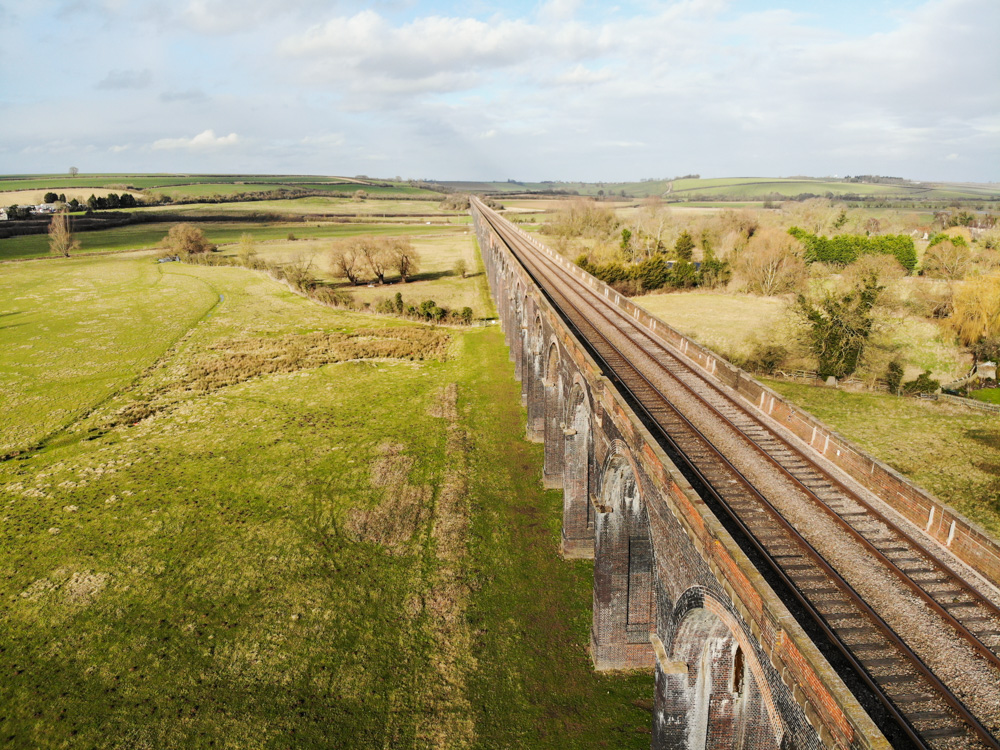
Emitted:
<point x="963" y="630"/>
<point x="914" y="660"/>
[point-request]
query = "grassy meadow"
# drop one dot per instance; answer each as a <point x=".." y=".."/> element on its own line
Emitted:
<point x="271" y="524"/>
<point x="395" y="210"/>
<point x="147" y="236"/>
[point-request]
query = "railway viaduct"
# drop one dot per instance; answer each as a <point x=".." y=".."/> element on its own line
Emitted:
<point x="674" y="591"/>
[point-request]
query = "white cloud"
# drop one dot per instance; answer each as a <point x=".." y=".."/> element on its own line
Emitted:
<point x="563" y="89"/>
<point x="205" y="140"/>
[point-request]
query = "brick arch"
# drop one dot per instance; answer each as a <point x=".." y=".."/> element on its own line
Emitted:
<point x="553" y="383"/>
<point x="534" y="370"/>
<point x="624" y="570"/>
<point x="517" y="334"/>
<point x="713" y="690"/>
<point x="578" y="445"/>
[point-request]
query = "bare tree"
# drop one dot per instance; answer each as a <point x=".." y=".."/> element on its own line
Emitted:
<point x="652" y="224"/>
<point x="403" y="257"/>
<point x="947" y="260"/>
<point x="73" y="171"/>
<point x="247" y="249"/>
<point x="376" y="254"/>
<point x="771" y="263"/>
<point x="61" y="240"/>
<point x="345" y="262"/>
<point x="298" y="272"/>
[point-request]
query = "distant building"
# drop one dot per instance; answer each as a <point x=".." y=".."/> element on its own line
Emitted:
<point x="47" y="208"/>
<point x="3" y="214"/>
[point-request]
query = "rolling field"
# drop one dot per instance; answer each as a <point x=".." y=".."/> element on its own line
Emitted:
<point x="745" y="188"/>
<point x="312" y="205"/>
<point x="147" y="236"/>
<point x="723" y="322"/>
<point x="295" y="525"/>
<point x="438" y="251"/>
<point x="34" y="197"/>
<point x="201" y="185"/>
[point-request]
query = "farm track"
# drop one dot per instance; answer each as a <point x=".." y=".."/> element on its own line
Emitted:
<point x="924" y="640"/>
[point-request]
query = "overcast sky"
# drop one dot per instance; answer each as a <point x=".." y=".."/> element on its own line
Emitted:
<point x="559" y="90"/>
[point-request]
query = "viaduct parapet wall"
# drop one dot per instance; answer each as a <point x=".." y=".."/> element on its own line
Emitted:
<point x="673" y="591"/>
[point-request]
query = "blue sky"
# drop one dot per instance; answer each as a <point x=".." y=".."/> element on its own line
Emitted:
<point x="560" y="89"/>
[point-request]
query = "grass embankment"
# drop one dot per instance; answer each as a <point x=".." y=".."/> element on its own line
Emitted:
<point x="277" y="547"/>
<point x="950" y="450"/>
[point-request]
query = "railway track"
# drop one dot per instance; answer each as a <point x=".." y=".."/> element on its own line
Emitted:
<point x="924" y="640"/>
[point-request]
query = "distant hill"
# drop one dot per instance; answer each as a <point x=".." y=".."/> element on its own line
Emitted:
<point x="192" y="186"/>
<point x="690" y="189"/>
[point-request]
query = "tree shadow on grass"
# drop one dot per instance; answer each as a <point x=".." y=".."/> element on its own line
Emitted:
<point x="11" y="325"/>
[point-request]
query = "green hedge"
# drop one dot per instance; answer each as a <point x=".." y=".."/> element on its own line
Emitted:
<point x="847" y="248"/>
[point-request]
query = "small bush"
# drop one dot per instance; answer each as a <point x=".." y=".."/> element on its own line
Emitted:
<point x="894" y="376"/>
<point x="763" y="359"/>
<point x="924" y="383"/>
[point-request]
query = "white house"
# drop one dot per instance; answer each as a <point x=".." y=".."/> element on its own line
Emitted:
<point x="3" y="214"/>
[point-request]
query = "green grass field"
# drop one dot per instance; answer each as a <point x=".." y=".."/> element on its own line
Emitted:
<point x="439" y="250"/>
<point x="181" y="186"/>
<point x="144" y="236"/>
<point x="396" y="210"/>
<point x="252" y="542"/>
<point x="948" y="449"/>
<point x="744" y="188"/>
<point x="988" y="395"/>
<point x="115" y="319"/>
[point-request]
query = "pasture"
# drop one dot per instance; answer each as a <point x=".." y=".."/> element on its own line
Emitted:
<point x="34" y="197"/>
<point x="75" y="332"/>
<point x="149" y="236"/>
<point x="394" y="210"/>
<point x="283" y="521"/>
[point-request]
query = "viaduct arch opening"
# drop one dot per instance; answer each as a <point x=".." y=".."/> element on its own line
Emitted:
<point x="578" y="511"/>
<point x="713" y="691"/>
<point x="623" y="571"/>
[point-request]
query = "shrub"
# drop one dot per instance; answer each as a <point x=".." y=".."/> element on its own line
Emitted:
<point x="187" y="239"/>
<point x="763" y="359"/>
<point x="654" y="273"/>
<point x="846" y="248"/>
<point x="839" y="327"/>
<point x="924" y="383"/>
<point x="894" y="376"/>
<point x="714" y="271"/>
